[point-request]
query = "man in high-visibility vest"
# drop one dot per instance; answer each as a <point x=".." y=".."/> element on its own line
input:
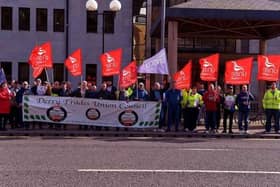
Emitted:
<point x="271" y="105"/>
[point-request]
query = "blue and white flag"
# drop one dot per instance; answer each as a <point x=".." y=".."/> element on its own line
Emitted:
<point x="156" y="64"/>
<point x="2" y="76"/>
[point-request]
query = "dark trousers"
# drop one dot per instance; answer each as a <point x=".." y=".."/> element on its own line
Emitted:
<point x="243" y="117"/>
<point x="228" y="113"/>
<point x="173" y="116"/>
<point x="3" y="121"/>
<point x="190" y="118"/>
<point x="13" y="117"/>
<point x="218" y="118"/>
<point x="269" y="114"/>
<point x="211" y="120"/>
<point x="163" y="112"/>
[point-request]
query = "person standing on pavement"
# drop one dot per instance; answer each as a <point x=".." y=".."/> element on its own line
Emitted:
<point x="211" y="99"/>
<point x="243" y="101"/>
<point x="5" y="103"/>
<point x="219" y="108"/>
<point x="173" y="99"/>
<point x="24" y="90"/>
<point x="271" y="105"/>
<point x="191" y="103"/>
<point x="229" y="101"/>
<point x="157" y="95"/>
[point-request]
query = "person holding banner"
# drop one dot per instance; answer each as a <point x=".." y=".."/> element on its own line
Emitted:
<point x="211" y="99"/>
<point x="173" y="100"/>
<point x="243" y="101"/>
<point x="271" y="105"/>
<point x="140" y="94"/>
<point x="157" y="95"/>
<point x="24" y="90"/>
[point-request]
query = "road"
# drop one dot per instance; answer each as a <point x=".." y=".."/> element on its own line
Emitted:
<point x="138" y="161"/>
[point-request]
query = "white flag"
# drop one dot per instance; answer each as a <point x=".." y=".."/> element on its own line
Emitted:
<point x="156" y="64"/>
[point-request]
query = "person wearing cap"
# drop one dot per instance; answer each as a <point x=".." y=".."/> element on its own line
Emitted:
<point x="243" y="101"/>
<point x="271" y="105"/>
<point x="140" y="94"/>
<point x="228" y="102"/>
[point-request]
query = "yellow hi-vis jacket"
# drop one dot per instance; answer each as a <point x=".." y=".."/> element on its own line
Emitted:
<point x="271" y="100"/>
<point x="191" y="101"/>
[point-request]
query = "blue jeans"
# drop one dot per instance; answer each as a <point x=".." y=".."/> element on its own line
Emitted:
<point x="243" y="116"/>
<point x="269" y="113"/>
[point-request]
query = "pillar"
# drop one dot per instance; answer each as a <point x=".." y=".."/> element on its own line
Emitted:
<point x="172" y="48"/>
<point x="262" y="51"/>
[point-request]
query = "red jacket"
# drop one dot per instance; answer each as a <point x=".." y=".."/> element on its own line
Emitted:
<point x="5" y="101"/>
<point x="210" y="100"/>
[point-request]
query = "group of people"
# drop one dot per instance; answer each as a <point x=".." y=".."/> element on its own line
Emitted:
<point x="191" y="104"/>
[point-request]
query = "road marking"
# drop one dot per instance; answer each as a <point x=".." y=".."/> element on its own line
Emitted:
<point x="198" y="149"/>
<point x="175" y="171"/>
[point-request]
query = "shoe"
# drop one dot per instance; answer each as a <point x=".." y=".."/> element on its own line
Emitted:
<point x="167" y="130"/>
<point x="230" y="132"/>
<point x="160" y="130"/>
<point x="207" y="132"/>
<point x="186" y="130"/>
<point x="245" y="132"/>
<point x="224" y="131"/>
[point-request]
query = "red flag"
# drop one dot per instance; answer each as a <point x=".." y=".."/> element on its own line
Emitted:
<point x="239" y="71"/>
<point x="74" y="63"/>
<point x="40" y="58"/>
<point x="268" y="67"/>
<point x="111" y="62"/>
<point x="128" y="75"/>
<point x="209" y="67"/>
<point x="182" y="78"/>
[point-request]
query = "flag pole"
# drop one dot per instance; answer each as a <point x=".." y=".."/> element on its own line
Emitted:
<point x="47" y="75"/>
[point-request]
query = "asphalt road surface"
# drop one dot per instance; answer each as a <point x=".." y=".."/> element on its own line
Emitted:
<point x="142" y="161"/>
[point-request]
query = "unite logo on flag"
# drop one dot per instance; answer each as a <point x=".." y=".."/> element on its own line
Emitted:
<point x="268" y="67"/>
<point x="182" y="78"/>
<point x="74" y="63"/>
<point x="209" y="67"/>
<point x="238" y="71"/>
<point x="110" y="61"/>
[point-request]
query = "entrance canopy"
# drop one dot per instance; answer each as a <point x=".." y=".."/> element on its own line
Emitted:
<point x="236" y="19"/>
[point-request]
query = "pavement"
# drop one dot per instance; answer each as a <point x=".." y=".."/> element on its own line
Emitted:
<point x="255" y="131"/>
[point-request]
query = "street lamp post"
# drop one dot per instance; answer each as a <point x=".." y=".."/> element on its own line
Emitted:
<point x="115" y="6"/>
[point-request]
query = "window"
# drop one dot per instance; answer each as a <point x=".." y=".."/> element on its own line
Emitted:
<point x="109" y="21"/>
<point x="58" y="72"/>
<point x="23" y="72"/>
<point x="7" y="67"/>
<point x="91" y="73"/>
<point x="42" y="19"/>
<point x="6" y="18"/>
<point x="92" y="21"/>
<point x="24" y="19"/>
<point x="58" y="20"/>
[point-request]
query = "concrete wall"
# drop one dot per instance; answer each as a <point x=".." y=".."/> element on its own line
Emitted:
<point x="16" y="45"/>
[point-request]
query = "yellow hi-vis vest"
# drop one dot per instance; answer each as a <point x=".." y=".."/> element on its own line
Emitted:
<point x="271" y="100"/>
<point x="191" y="101"/>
